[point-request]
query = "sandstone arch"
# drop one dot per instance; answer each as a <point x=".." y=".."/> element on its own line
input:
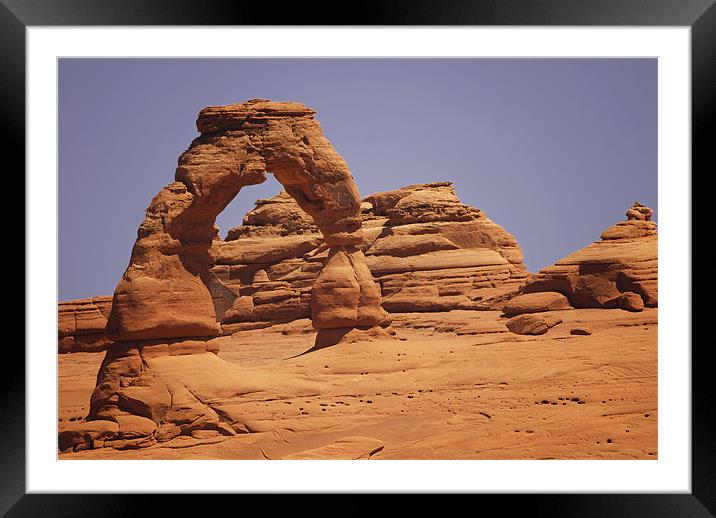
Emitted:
<point x="162" y="294"/>
<point x="160" y="376"/>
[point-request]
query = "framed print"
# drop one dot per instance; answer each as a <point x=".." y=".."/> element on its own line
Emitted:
<point x="414" y="251"/>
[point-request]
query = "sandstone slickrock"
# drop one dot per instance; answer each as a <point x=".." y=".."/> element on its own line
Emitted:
<point x="162" y="314"/>
<point x="81" y="323"/>
<point x="434" y="395"/>
<point x="479" y="328"/>
<point x="346" y="448"/>
<point x="624" y="260"/>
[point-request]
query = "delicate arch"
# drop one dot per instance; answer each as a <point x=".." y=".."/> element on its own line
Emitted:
<point x="163" y="292"/>
<point x="162" y="306"/>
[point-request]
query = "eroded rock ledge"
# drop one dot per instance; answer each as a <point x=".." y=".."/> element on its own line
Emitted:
<point x="81" y="323"/>
<point x="621" y="270"/>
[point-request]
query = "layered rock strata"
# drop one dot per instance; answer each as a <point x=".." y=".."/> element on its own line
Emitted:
<point x="81" y="323"/>
<point x="612" y="272"/>
<point x="452" y="257"/>
<point x="536" y="303"/>
<point x="426" y="250"/>
<point x="532" y="323"/>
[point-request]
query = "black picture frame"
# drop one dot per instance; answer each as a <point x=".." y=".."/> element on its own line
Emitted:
<point x="699" y="15"/>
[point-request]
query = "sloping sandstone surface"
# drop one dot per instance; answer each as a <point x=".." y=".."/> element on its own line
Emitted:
<point x="455" y="385"/>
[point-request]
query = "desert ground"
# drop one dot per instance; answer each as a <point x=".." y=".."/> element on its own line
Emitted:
<point x="434" y="391"/>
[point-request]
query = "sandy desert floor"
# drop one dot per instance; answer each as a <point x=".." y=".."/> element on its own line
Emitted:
<point x="434" y="392"/>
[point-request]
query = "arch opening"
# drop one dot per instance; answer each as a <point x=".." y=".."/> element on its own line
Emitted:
<point x="234" y="213"/>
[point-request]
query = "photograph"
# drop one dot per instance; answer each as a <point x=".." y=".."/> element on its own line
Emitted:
<point x="412" y="249"/>
<point x="357" y="258"/>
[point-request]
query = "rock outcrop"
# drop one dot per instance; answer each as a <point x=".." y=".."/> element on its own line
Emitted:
<point x="600" y="275"/>
<point x="81" y="323"/>
<point x="163" y="292"/>
<point x="426" y="250"/>
<point x="630" y="301"/>
<point x="532" y="324"/>
<point x="536" y="303"/>
<point x="162" y="320"/>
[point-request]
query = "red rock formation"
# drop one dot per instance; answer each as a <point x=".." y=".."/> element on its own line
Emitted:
<point x="163" y="293"/>
<point x="532" y="324"/>
<point x="266" y="270"/>
<point x="426" y="250"/>
<point x="80" y="324"/>
<point x="434" y="253"/>
<point x="603" y="274"/>
<point x="536" y="303"/>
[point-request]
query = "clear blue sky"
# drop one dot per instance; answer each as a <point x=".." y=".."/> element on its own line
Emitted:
<point x="554" y="150"/>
